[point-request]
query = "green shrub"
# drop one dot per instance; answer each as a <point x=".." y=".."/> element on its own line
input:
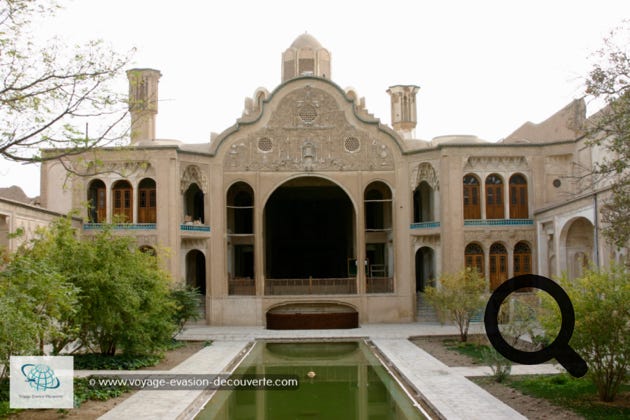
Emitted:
<point x="501" y="367"/>
<point x="84" y="391"/>
<point x="458" y="298"/>
<point x="115" y="362"/>
<point x="601" y="300"/>
<point x="186" y="305"/>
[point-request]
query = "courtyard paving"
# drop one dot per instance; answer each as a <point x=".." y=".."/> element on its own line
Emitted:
<point x="445" y="388"/>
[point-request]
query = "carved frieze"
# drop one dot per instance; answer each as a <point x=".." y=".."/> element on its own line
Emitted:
<point x="431" y="240"/>
<point x="496" y="163"/>
<point x="194" y="243"/>
<point x="193" y="174"/>
<point x="425" y="172"/>
<point x="125" y="168"/>
<point x="308" y="131"/>
<point x="508" y="236"/>
<point x="146" y="240"/>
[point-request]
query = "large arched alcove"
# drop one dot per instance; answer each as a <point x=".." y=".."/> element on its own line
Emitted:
<point x="309" y="231"/>
<point x="578" y="246"/>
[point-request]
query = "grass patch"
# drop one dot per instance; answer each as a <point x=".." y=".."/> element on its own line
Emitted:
<point x="577" y="394"/>
<point x="472" y="349"/>
<point x="116" y="362"/>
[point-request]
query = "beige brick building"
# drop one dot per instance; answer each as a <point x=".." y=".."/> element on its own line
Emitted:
<point x="308" y="204"/>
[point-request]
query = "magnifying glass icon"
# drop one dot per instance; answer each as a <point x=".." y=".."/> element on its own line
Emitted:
<point x="559" y="348"/>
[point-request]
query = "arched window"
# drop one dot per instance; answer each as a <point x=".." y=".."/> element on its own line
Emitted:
<point x="123" y="201"/>
<point x="97" y="198"/>
<point x="148" y="249"/>
<point x="498" y="265"/>
<point x="472" y="203"/>
<point x="522" y="259"/>
<point x="194" y="204"/>
<point x="147" y="203"/>
<point x="474" y="257"/>
<point x="378" y="206"/>
<point x="240" y="206"/>
<point x="494" y="197"/>
<point x="377" y="200"/>
<point x="240" y="238"/>
<point x="518" y="197"/>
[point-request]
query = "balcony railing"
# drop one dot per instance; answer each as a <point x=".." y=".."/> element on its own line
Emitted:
<point x="499" y="222"/>
<point x="120" y="226"/>
<point x="242" y="287"/>
<point x="311" y="286"/>
<point x="379" y="285"/>
<point x="425" y="225"/>
<point x="194" y="228"/>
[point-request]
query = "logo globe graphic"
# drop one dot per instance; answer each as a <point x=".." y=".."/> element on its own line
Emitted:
<point x="40" y="377"/>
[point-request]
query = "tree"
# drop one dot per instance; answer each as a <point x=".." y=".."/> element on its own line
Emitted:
<point x="33" y="299"/>
<point x="609" y="81"/>
<point x="123" y="298"/>
<point x="601" y="300"/>
<point x="459" y="297"/>
<point x="48" y="93"/>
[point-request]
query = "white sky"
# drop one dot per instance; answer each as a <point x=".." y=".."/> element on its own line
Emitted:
<point x="484" y="67"/>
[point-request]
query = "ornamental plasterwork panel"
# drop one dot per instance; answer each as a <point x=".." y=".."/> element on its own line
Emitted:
<point x="432" y="241"/>
<point x="193" y="174"/>
<point x="425" y="172"/>
<point x="308" y="131"/>
<point x="146" y="240"/>
<point x="124" y="168"/>
<point x="194" y="243"/>
<point x="496" y="163"/>
<point x="509" y="236"/>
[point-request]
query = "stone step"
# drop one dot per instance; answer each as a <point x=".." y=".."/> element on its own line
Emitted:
<point x="424" y="311"/>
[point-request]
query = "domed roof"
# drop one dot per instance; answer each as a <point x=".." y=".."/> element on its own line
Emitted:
<point x="306" y="41"/>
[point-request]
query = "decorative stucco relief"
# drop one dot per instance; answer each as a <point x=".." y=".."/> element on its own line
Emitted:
<point x="496" y="163"/>
<point x="146" y="240"/>
<point x="193" y="174"/>
<point x="193" y="243"/>
<point x="432" y="241"/>
<point x="425" y="172"/>
<point x="308" y="131"/>
<point x="509" y="236"/>
<point x="124" y="168"/>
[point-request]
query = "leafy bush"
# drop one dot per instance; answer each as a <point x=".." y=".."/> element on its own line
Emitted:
<point x="501" y="367"/>
<point x="123" y="299"/>
<point x="458" y="298"/>
<point x="601" y="300"/>
<point x="83" y="391"/>
<point x="186" y="305"/>
<point x="115" y="362"/>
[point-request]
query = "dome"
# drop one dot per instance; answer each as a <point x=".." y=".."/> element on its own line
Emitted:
<point x="305" y="57"/>
<point x="456" y="139"/>
<point x="306" y="41"/>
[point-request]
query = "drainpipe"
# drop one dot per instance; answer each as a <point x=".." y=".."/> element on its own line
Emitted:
<point x="596" y="239"/>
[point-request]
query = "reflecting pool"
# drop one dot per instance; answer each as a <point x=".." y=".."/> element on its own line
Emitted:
<point x="337" y="380"/>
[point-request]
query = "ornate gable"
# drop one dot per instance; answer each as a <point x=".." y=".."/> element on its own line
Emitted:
<point x="308" y="130"/>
